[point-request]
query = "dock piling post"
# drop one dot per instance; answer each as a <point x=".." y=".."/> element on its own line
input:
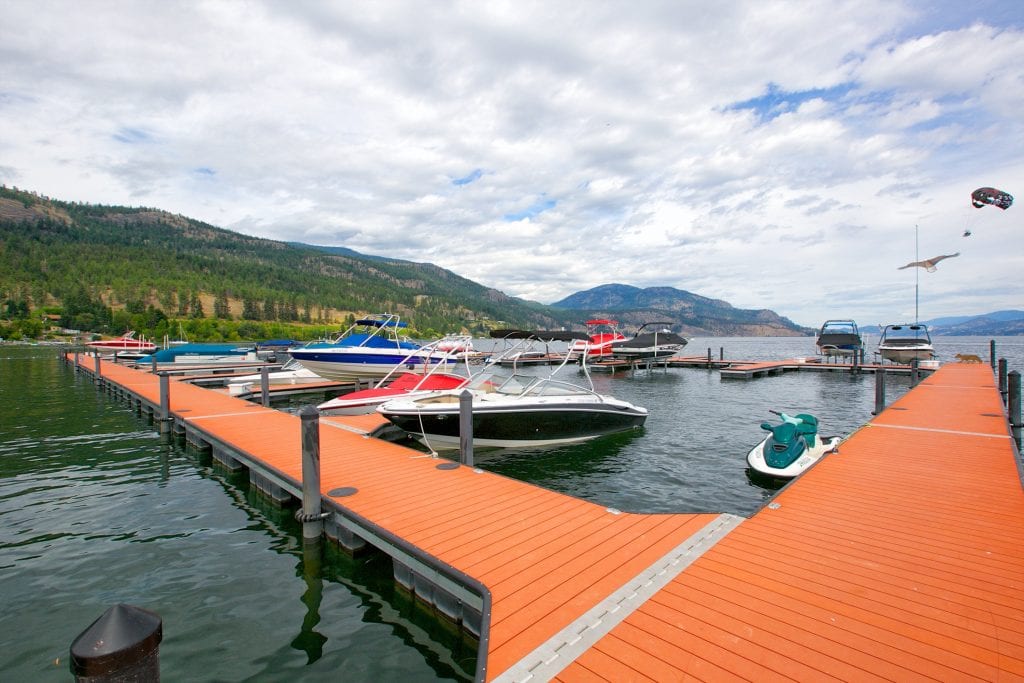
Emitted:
<point x="165" y="403"/>
<point x="76" y="362"/>
<point x="122" y="645"/>
<point x="98" y="374"/>
<point x="152" y="364"/>
<point x="310" y="515"/>
<point x="1002" y="378"/>
<point x="1013" y="406"/>
<point x="992" y="353"/>
<point x="265" y="386"/>
<point x="879" y="391"/>
<point x="721" y="353"/>
<point x="915" y="372"/>
<point x="466" y="427"/>
<point x="709" y="357"/>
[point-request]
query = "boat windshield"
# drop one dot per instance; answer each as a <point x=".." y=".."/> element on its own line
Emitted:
<point x="517" y="384"/>
<point x="906" y="332"/>
<point x="839" y="327"/>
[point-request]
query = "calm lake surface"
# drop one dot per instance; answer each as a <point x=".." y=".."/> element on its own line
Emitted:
<point x="96" y="509"/>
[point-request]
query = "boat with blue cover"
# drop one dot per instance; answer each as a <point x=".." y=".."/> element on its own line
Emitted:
<point x="370" y="348"/>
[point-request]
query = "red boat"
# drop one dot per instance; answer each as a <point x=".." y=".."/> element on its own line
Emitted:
<point x="602" y="333"/>
<point x="125" y="344"/>
<point x="365" y="401"/>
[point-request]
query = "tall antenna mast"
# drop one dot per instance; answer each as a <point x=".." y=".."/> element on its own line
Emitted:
<point x="917" y="276"/>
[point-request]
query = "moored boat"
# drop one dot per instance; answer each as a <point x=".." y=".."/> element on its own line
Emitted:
<point x="402" y="382"/>
<point x="904" y="343"/>
<point x="602" y="332"/>
<point x="290" y="373"/>
<point x="513" y="409"/>
<point x="369" y="348"/>
<point x="124" y="346"/>
<point x="652" y="340"/>
<point x="839" y="339"/>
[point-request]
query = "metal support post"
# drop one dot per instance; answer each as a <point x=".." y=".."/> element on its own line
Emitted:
<point x="879" y="391"/>
<point x="265" y="386"/>
<point x="992" y="353"/>
<point x="310" y="515"/>
<point x="1013" y="406"/>
<point x="165" y="403"/>
<point x="466" y="427"/>
<point x="1002" y="378"/>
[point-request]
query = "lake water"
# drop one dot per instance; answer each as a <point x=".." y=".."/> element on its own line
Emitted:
<point x="97" y="509"/>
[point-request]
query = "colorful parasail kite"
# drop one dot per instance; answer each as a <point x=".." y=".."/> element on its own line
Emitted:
<point x="928" y="264"/>
<point x="991" y="196"/>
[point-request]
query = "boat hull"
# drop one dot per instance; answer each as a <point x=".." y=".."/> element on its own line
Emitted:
<point x="365" y="363"/>
<point x="906" y="354"/>
<point x="511" y="426"/>
<point x="365" y="401"/>
<point x="756" y="459"/>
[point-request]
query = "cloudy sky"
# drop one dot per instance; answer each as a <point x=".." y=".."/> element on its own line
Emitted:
<point x="772" y="154"/>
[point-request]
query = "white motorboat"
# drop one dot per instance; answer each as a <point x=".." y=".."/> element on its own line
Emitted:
<point x="291" y="372"/>
<point x="514" y="409"/>
<point x="125" y="346"/>
<point x="370" y="348"/>
<point x="904" y="343"/>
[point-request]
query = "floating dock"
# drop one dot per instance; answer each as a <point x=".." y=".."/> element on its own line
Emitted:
<point x="901" y="557"/>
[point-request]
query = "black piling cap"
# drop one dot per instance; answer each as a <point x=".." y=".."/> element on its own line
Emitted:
<point x="121" y="638"/>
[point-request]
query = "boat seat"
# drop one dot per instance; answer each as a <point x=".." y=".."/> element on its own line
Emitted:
<point x="808" y="427"/>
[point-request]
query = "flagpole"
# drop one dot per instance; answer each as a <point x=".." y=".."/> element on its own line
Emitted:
<point x="917" y="276"/>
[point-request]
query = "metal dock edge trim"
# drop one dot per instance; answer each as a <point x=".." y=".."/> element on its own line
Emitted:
<point x="562" y="649"/>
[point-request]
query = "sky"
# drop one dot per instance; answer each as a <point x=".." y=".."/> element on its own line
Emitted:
<point x="781" y="155"/>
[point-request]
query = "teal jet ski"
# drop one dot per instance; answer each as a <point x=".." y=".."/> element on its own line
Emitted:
<point x="790" y="447"/>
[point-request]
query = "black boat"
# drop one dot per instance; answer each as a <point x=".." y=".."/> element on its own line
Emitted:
<point x="652" y="340"/>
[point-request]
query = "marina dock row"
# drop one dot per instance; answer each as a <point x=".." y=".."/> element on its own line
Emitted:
<point x="900" y="557"/>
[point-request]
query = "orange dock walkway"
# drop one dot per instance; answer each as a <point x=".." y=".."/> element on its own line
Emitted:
<point x="899" y="558"/>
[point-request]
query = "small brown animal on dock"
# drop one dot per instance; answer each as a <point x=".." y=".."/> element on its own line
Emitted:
<point x="967" y="358"/>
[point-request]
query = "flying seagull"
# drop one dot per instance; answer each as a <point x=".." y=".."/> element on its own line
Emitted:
<point x="928" y="264"/>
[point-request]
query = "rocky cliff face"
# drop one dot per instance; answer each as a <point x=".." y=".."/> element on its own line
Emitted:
<point x="690" y="314"/>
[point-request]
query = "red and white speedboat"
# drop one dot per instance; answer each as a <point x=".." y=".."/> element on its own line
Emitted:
<point x="124" y="345"/>
<point x="401" y="382"/>
<point x="602" y="333"/>
<point x="365" y="401"/>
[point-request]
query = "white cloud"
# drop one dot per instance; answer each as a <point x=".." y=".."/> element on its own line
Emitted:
<point x="772" y="154"/>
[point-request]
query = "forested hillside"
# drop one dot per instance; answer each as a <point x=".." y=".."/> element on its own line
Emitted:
<point x="106" y="269"/>
<point x="92" y="262"/>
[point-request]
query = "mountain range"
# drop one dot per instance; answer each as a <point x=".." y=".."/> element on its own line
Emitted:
<point x="996" y="324"/>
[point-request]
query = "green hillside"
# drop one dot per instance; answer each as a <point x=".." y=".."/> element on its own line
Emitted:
<point x="106" y="269"/>
<point x="78" y="259"/>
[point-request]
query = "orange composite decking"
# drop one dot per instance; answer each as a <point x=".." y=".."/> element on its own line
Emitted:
<point x="545" y="558"/>
<point x="899" y="558"/>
